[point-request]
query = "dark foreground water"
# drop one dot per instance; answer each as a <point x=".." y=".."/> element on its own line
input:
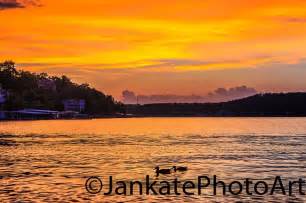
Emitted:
<point x="50" y="161"/>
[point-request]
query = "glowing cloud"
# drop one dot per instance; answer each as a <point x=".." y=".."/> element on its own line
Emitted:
<point x="153" y="36"/>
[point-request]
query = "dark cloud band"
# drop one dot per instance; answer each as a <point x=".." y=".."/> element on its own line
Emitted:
<point x="11" y="4"/>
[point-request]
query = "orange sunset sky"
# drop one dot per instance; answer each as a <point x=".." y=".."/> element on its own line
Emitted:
<point x="162" y="46"/>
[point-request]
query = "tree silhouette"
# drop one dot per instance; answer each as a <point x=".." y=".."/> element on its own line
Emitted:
<point x="24" y="92"/>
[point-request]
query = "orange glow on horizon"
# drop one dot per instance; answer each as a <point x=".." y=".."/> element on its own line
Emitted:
<point x="172" y="36"/>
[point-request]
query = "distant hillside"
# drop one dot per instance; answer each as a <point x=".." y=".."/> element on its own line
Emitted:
<point x="270" y="104"/>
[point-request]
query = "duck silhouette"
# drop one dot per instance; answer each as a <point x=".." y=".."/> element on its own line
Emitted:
<point x="164" y="171"/>
<point x="180" y="168"/>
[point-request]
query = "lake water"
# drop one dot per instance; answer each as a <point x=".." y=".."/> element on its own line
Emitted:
<point x="50" y="161"/>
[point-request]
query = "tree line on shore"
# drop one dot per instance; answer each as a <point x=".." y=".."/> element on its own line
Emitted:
<point x="31" y="90"/>
<point x="268" y="104"/>
<point x="24" y="91"/>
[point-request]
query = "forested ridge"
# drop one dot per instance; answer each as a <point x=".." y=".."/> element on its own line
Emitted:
<point x="24" y="91"/>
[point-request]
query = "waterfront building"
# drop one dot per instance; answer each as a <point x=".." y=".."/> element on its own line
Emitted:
<point x="77" y="105"/>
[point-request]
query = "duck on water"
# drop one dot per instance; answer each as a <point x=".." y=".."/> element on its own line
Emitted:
<point x="180" y="168"/>
<point x="163" y="171"/>
<point x="167" y="171"/>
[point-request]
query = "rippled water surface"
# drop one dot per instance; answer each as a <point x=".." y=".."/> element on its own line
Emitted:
<point x="49" y="161"/>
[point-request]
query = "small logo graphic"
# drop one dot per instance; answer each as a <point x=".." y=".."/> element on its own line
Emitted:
<point x="93" y="185"/>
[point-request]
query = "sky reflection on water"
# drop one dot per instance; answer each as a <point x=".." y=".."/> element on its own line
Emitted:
<point x="50" y="160"/>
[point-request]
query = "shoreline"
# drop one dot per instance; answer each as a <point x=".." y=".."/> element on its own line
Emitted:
<point x="159" y="116"/>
